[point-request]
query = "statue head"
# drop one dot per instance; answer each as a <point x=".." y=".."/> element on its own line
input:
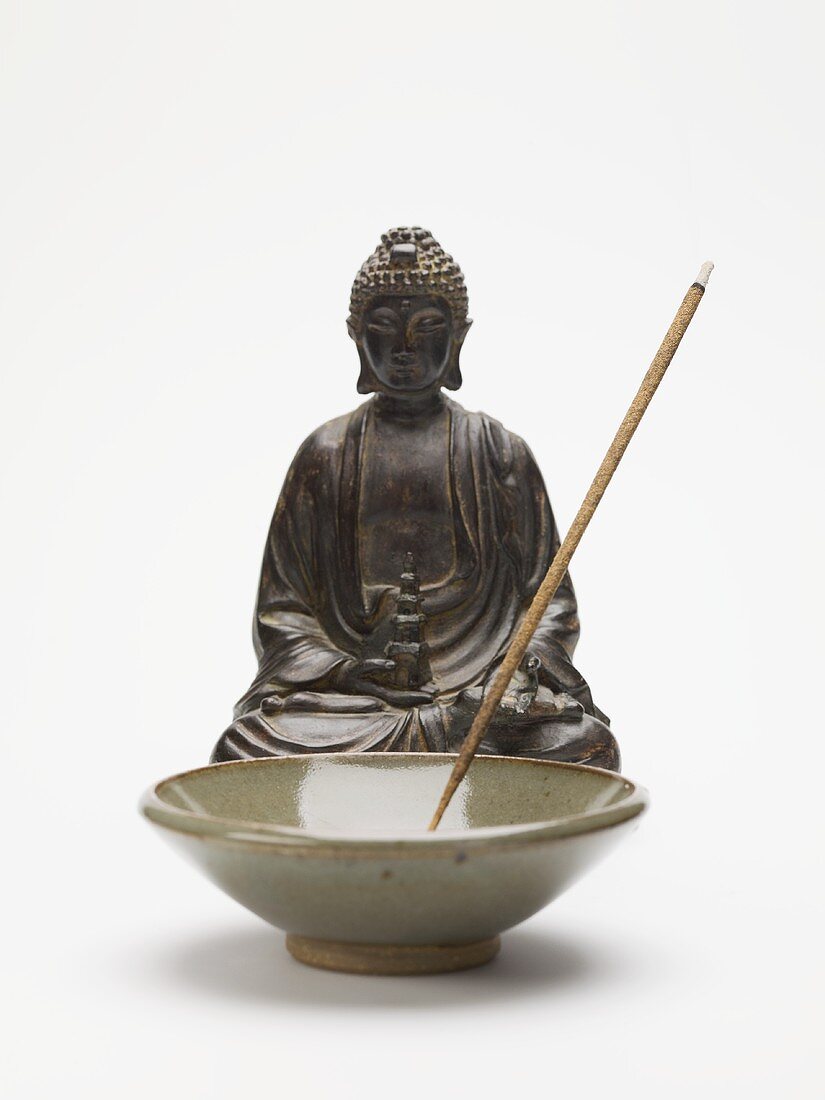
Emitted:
<point x="408" y="316"/>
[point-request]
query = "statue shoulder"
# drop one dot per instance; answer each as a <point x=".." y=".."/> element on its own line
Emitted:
<point x="506" y="449"/>
<point x="327" y="441"/>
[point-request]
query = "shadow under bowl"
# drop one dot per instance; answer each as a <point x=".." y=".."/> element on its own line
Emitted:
<point x="333" y="849"/>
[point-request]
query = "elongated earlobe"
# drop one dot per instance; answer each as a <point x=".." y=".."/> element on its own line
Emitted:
<point x="367" y="382"/>
<point x="452" y="379"/>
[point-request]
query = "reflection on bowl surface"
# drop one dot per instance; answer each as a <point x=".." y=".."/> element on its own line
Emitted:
<point x="335" y="848"/>
<point x="389" y="795"/>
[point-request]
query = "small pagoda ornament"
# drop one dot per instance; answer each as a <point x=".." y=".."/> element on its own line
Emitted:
<point x="407" y="647"/>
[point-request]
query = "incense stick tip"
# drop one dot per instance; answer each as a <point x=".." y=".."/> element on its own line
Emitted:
<point x="703" y="276"/>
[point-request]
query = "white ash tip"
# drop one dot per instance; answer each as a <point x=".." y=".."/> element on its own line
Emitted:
<point x="703" y="276"/>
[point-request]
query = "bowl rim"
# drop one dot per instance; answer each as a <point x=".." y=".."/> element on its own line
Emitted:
<point x="292" y="839"/>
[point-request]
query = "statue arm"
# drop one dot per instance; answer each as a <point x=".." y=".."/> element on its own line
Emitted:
<point x="294" y="650"/>
<point x="558" y="632"/>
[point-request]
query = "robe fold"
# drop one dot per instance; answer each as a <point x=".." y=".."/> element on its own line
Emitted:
<point x="314" y="612"/>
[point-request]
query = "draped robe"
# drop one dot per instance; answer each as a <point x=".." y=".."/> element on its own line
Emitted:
<point x="314" y="612"/>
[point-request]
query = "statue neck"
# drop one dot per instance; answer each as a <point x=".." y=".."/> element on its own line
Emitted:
<point x="408" y="407"/>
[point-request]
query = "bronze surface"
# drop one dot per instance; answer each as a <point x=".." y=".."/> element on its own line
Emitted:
<point x="409" y="540"/>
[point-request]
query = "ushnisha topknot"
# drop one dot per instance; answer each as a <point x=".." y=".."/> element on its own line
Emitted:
<point x="409" y="261"/>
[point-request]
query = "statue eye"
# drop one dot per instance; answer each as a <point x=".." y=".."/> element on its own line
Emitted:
<point x="382" y="321"/>
<point x="430" y="324"/>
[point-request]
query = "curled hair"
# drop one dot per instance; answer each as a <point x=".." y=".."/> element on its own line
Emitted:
<point x="409" y="261"/>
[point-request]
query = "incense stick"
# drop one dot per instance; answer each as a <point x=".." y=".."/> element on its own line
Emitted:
<point x="558" y="567"/>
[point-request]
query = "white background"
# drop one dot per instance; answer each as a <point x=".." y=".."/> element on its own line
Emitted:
<point x="187" y="191"/>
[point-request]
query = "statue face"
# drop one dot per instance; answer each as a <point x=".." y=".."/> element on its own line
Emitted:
<point x="407" y="342"/>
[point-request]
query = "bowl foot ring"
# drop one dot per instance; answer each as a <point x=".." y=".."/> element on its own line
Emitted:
<point x="385" y="958"/>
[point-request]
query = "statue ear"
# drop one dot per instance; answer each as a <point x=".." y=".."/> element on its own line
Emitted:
<point x="452" y="379"/>
<point x="367" y="382"/>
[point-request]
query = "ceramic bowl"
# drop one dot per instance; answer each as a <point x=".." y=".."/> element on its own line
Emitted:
<point x="334" y="849"/>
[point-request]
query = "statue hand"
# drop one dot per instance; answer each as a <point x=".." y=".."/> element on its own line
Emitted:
<point x="272" y="704"/>
<point x="363" y="678"/>
<point x="521" y="691"/>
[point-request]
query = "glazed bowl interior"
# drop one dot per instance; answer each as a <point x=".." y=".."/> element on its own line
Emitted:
<point x="335" y="850"/>
<point x="393" y="795"/>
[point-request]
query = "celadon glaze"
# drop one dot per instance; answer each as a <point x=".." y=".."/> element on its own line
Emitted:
<point x="334" y="848"/>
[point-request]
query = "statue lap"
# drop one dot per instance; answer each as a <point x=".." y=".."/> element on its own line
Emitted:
<point x="295" y="731"/>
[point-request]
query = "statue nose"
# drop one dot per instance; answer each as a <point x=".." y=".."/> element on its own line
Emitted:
<point x="403" y="358"/>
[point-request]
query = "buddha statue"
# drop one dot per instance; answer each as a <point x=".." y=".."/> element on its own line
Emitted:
<point x="408" y="540"/>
